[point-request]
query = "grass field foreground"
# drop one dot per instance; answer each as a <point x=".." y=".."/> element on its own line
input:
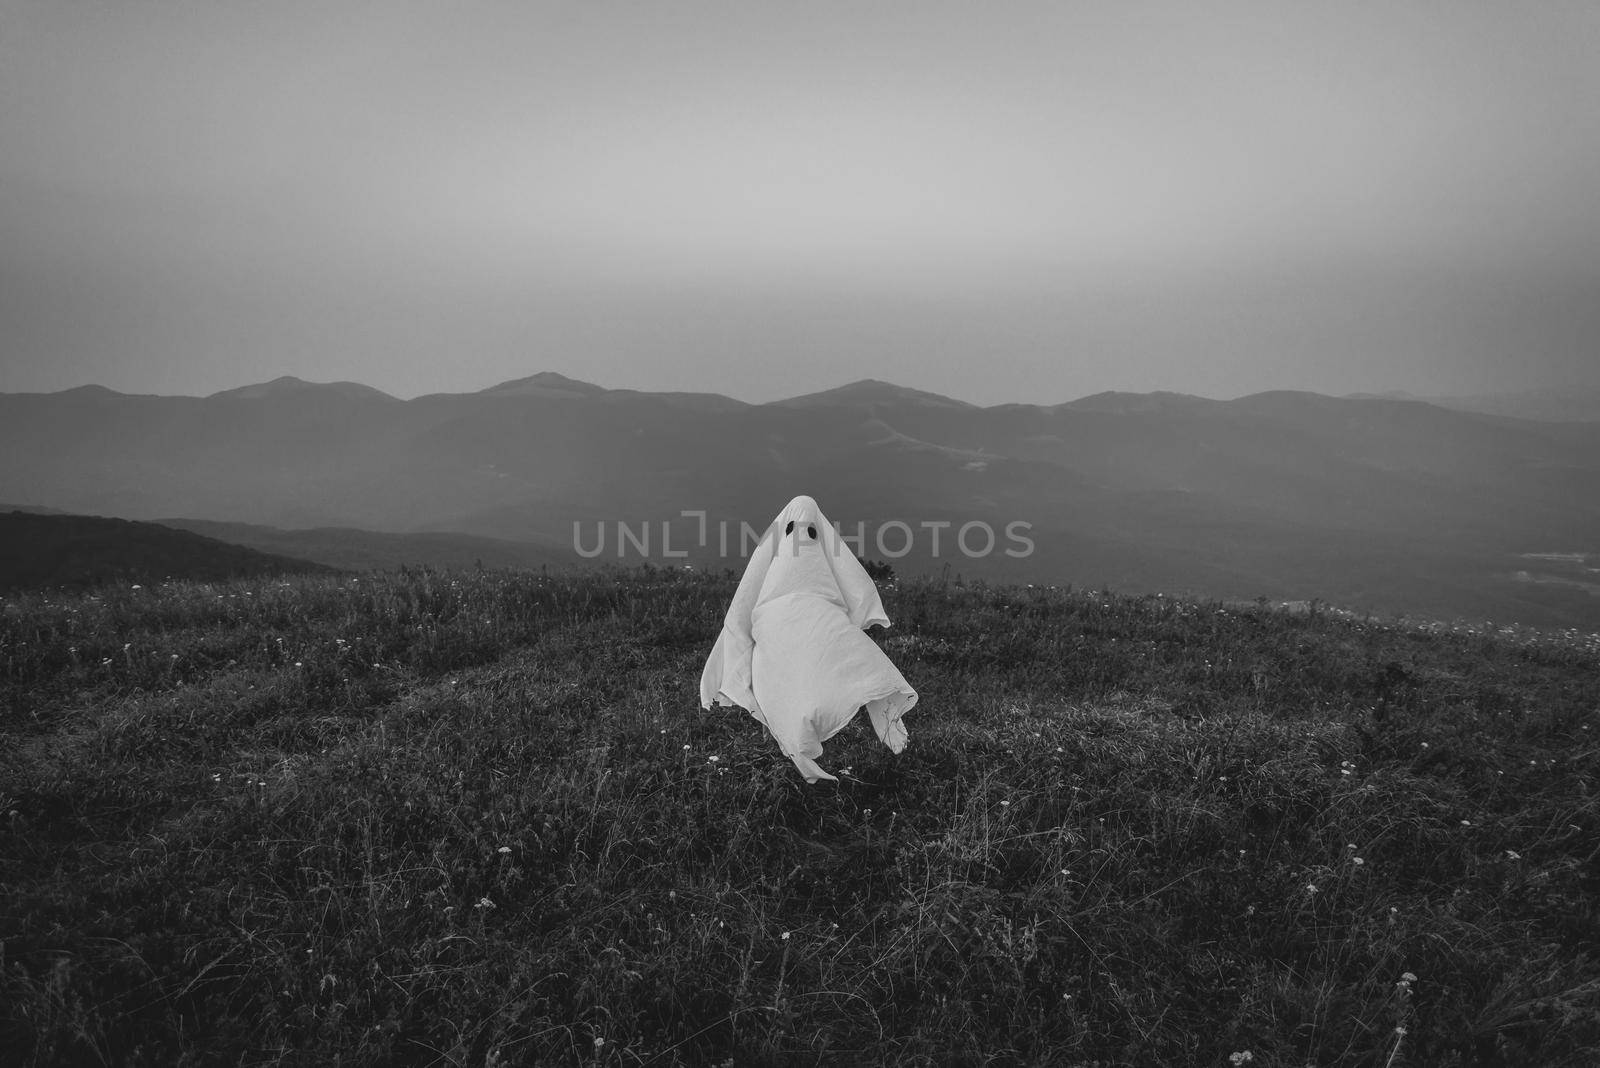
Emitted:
<point x="478" y="818"/>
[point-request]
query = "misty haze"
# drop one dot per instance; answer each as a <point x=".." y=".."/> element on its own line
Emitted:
<point x="1189" y="423"/>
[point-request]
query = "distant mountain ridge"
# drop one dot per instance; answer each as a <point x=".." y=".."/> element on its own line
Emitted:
<point x="290" y="386"/>
<point x="1548" y="406"/>
<point x="1554" y="405"/>
<point x="1382" y="503"/>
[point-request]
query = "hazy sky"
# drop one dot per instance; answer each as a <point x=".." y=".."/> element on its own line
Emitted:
<point x="996" y="201"/>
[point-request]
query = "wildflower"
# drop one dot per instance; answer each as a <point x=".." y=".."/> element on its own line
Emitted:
<point x="1241" y="1057"/>
<point x="1357" y="860"/>
<point x="1407" y="977"/>
<point x="297" y="664"/>
<point x="216" y="776"/>
<point x="1466" y="823"/>
<point x="1513" y="854"/>
<point x="1005" y="804"/>
<point x="1424" y="745"/>
<point x="137" y="586"/>
<point x="599" y="1042"/>
<point x="686" y="748"/>
<point x="1351" y="845"/>
<point x="484" y="903"/>
<point x="713" y="759"/>
<point x="786" y="936"/>
<point x="504" y="849"/>
<point x="1400" y="1030"/>
<point x="1311" y="888"/>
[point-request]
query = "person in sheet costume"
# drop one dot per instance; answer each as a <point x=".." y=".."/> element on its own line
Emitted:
<point x="793" y="649"/>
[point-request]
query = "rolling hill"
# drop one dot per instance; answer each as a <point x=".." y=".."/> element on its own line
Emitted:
<point x="52" y="551"/>
<point x="366" y="820"/>
<point x="355" y="550"/>
<point x="1383" y="504"/>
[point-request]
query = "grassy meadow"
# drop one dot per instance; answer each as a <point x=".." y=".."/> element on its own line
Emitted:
<point x="478" y="818"/>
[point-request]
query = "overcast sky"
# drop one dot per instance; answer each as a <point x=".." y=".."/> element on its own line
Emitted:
<point x="994" y="200"/>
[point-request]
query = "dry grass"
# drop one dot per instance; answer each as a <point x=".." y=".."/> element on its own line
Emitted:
<point x="479" y="819"/>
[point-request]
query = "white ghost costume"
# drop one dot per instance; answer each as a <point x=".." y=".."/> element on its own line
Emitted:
<point x="793" y="649"/>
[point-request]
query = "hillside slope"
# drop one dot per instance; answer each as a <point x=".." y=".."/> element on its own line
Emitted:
<point x="360" y="550"/>
<point x="481" y="817"/>
<point x="47" y="551"/>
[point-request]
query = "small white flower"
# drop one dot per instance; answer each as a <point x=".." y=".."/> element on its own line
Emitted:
<point x="786" y="936"/>
<point x="1466" y="823"/>
<point x="1513" y="854"/>
<point x="1357" y="860"/>
<point x="484" y="903"/>
<point x="1005" y="804"/>
<point x="713" y="759"/>
<point x="137" y="586"/>
<point x="1407" y="977"/>
<point x="1400" y="1030"/>
<point x="1311" y="888"/>
<point x="598" y="1042"/>
<point x="1351" y="845"/>
<point x="686" y="749"/>
<point x="503" y="849"/>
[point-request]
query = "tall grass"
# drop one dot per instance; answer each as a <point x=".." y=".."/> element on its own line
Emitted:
<point x="478" y="818"/>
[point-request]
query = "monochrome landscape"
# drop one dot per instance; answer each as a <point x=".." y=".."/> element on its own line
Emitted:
<point x="1177" y="644"/>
